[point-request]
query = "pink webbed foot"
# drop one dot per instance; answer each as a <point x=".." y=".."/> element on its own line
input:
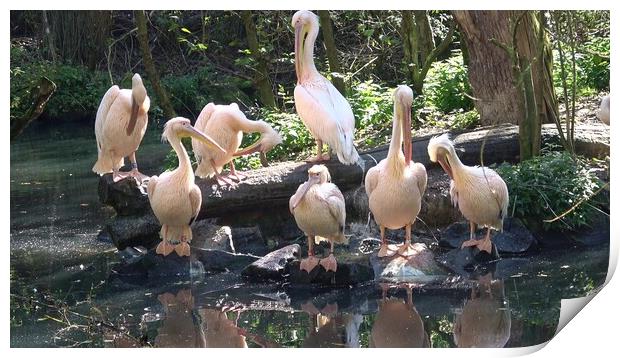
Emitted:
<point x="164" y="248"/>
<point x="385" y="251"/>
<point x="120" y="176"/>
<point x="329" y="263"/>
<point x="406" y="250"/>
<point x="182" y="249"/>
<point x="322" y="158"/>
<point x="224" y="180"/>
<point x="139" y="176"/>
<point x="238" y="176"/>
<point x="309" y="263"/>
<point x="482" y="245"/>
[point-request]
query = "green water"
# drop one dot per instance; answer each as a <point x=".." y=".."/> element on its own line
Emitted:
<point x="64" y="291"/>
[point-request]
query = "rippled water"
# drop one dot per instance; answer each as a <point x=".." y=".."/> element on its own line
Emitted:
<point x="64" y="291"/>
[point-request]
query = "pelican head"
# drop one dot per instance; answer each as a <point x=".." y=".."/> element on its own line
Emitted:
<point x="269" y="138"/>
<point x="138" y="95"/>
<point x="306" y="25"/>
<point x="318" y="174"/>
<point x="403" y="100"/>
<point x="180" y="127"/>
<point x="441" y="149"/>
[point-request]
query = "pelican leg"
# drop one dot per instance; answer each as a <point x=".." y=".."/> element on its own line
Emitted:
<point x="472" y="236"/>
<point x="383" y="250"/>
<point x="239" y="176"/>
<point x="486" y="244"/>
<point x="117" y="175"/>
<point x="310" y="262"/>
<point x="319" y="153"/>
<point x="329" y="263"/>
<point x="222" y="180"/>
<point x="407" y="249"/>
<point x="183" y="249"/>
<point x="134" y="169"/>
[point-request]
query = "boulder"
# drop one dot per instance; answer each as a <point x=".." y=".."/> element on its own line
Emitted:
<point x="249" y="240"/>
<point x="127" y="231"/>
<point x="212" y="237"/>
<point x="468" y="260"/>
<point x="515" y="239"/>
<point x="126" y="196"/>
<point x="271" y="267"/>
<point x="420" y="267"/>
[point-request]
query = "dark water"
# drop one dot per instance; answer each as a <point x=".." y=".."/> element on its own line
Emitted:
<point x="64" y="291"/>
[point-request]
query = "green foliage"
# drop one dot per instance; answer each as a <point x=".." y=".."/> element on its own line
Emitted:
<point x="547" y="186"/>
<point x="466" y="120"/>
<point x="446" y="85"/>
<point x="372" y="106"/>
<point x="595" y="63"/>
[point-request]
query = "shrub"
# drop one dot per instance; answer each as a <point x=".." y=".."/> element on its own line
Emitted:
<point x="591" y="68"/>
<point x="547" y="186"/>
<point x="446" y="84"/>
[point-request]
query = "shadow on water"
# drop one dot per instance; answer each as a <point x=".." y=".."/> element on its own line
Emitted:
<point x="64" y="293"/>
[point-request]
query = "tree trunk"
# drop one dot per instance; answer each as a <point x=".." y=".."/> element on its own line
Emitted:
<point x="149" y="65"/>
<point x="261" y="77"/>
<point x="49" y="37"/>
<point x="332" y="53"/>
<point x="426" y="42"/>
<point x="490" y="68"/>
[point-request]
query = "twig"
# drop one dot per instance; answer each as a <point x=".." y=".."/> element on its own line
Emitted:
<point x="577" y="204"/>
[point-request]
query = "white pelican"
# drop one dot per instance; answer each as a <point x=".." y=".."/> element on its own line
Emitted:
<point x="119" y="127"/>
<point x="174" y="197"/>
<point x="396" y="185"/>
<point x="321" y="107"/>
<point x="603" y="112"/>
<point x="226" y="125"/>
<point x="479" y="192"/>
<point x="319" y="210"/>
<point x="398" y="324"/>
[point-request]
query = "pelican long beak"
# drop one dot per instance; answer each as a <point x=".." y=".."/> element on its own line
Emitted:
<point x="303" y="190"/>
<point x="445" y="164"/>
<point x="299" y="48"/>
<point x="131" y="125"/>
<point x="407" y="134"/>
<point x="195" y="133"/>
<point x="256" y="147"/>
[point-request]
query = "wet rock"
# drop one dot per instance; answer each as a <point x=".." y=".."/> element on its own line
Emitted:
<point x="420" y="267"/>
<point x="126" y="196"/>
<point x="221" y="261"/>
<point x="126" y="231"/>
<point x="214" y="237"/>
<point x="249" y="240"/>
<point x="131" y="255"/>
<point x="515" y="239"/>
<point x="465" y="261"/>
<point x="152" y="265"/>
<point x="271" y="267"/>
<point x="348" y="273"/>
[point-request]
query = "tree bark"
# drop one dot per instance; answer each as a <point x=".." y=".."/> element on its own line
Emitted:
<point x="261" y="77"/>
<point x="48" y="36"/>
<point x="332" y="53"/>
<point x="149" y="65"/>
<point x="490" y="68"/>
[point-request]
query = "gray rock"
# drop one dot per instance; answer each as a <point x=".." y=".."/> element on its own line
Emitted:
<point x="348" y="273"/>
<point x="126" y="231"/>
<point x="468" y="260"/>
<point x="214" y="237"/>
<point x="271" y="267"/>
<point x="420" y="267"/>
<point x="221" y="261"/>
<point x="126" y="196"/>
<point x="249" y="240"/>
<point x="515" y="239"/>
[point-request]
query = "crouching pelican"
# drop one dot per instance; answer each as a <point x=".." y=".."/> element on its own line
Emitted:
<point x="395" y="186"/>
<point x="479" y="192"/>
<point x="324" y="111"/>
<point x="174" y="197"/>
<point x="319" y="210"/>
<point x="226" y="125"/>
<point x="119" y="127"/>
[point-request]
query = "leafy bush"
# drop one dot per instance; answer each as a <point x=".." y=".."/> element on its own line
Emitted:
<point x="466" y="120"/>
<point x="547" y="186"/>
<point x="591" y="68"/>
<point x="446" y="84"/>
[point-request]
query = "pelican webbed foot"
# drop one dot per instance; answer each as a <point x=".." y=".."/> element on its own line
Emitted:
<point x="406" y="250"/>
<point x="164" y="248"/>
<point x="182" y="249"/>
<point x="309" y="263"/>
<point x="329" y="263"/>
<point x="482" y="245"/>
<point x="118" y="176"/>
<point x="139" y="176"/>
<point x="224" y="180"/>
<point x="238" y="176"/>
<point x="385" y="251"/>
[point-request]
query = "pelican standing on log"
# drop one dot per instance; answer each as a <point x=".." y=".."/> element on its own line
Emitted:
<point x="396" y="185"/>
<point x="226" y="125"/>
<point x="174" y="197"/>
<point x="319" y="210"/>
<point x="119" y="127"/>
<point x="324" y="111"/>
<point x="479" y="192"/>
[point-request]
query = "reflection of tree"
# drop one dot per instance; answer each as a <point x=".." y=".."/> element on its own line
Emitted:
<point x="485" y="320"/>
<point x="398" y="324"/>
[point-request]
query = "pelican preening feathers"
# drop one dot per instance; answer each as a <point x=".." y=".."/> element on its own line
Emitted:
<point x="479" y="192"/>
<point x="174" y="197"/>
<point x="119" y="127"/>
<point x="324" y="111"/>
<point x="395" y="186"/>
<point x="319" y="210"/>
<point x="226" y="125"/>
